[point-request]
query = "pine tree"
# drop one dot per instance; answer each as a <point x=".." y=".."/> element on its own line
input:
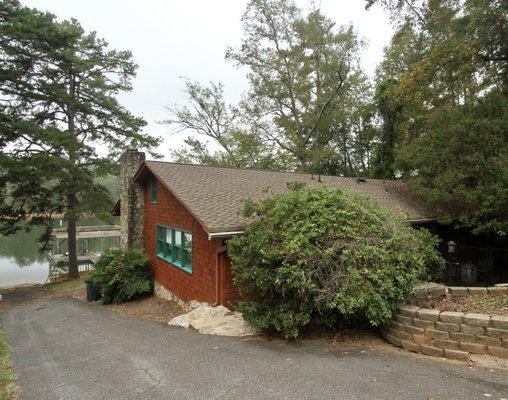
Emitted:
<point x="61" y="125"/>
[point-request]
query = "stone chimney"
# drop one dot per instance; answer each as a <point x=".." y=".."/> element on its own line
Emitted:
<point x="132" y="202"/>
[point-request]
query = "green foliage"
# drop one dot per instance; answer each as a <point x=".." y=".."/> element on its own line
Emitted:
<point x="308" y="104"/>
<point x="8" y="389"/>
<point x="323" y="257"/>
<point x="444" y="107"/>
<point x="306" y="85"/>
<point x="58" y="106"/>
<point x="122" y="275"/>
<point x="212" y="119"/>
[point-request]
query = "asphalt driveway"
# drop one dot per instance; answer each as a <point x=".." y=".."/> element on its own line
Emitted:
<point x="67" y="349"/>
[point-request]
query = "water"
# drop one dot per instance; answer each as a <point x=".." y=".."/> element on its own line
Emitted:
<point x="20" y="258"/>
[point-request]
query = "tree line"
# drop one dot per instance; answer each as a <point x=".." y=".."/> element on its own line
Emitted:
<point x="435" y="115"/>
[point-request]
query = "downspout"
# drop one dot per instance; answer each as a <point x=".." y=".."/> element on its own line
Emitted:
<point x="217" y="275"/>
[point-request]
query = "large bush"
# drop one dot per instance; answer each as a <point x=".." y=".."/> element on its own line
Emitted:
<point x="321" y="257"/>
<point x="122" y="275"/>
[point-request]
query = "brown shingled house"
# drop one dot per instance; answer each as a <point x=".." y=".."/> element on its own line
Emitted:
<point x="182" y="216"/>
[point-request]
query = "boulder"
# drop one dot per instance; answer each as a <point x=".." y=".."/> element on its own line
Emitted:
<point x="191" y="305"/>
<point x="217" y="320"/>
<point x="182" y="321"/>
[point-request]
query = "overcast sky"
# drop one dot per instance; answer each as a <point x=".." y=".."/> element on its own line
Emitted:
<point x="174" y="38"/>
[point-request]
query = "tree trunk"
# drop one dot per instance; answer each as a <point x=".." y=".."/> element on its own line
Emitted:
<point x="71" y="237"/>
<point x="72" y="199"/>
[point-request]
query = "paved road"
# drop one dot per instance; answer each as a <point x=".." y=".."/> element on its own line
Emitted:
<point x="67" y="349"/>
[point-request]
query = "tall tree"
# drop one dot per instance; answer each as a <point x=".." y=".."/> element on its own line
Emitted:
<point x="388" y="109"/>
<point x="219" y="125"/>
<point x="61" y="125"/>
<point x="301" y="67"/>
<point x="448" y="65"/>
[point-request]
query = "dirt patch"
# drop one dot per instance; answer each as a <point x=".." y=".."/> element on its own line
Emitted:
<point x="151" y="308"/>
<point x="350" y="337"/>
<point x="484" y="303"/>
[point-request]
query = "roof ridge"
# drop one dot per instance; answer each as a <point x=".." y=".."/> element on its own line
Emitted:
<point x="271" y="170"/>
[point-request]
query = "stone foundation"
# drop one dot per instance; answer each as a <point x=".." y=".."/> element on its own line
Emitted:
<point x="163" y="293"/>
<point x="454" y="335"/>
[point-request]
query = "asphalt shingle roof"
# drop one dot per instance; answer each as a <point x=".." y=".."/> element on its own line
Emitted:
<point x="215" y="194"/>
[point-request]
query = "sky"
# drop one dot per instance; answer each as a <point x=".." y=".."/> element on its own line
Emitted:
<point x="172" y="39"/>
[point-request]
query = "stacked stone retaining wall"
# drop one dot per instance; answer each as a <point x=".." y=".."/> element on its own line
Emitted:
<point x="449" y="334"/>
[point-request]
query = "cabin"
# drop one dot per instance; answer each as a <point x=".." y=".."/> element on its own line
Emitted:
<point x="182" y="216"/>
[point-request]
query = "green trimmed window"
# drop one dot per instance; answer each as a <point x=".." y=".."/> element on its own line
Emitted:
<point x="153" y="191"/>
<point x="175" y="247"/>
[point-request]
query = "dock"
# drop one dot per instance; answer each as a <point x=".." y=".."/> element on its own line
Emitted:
<point x="92" y="242"/>
<point x="89" y="239"/>
<point x="90" y="258"/>
<point x="87" y="232"/>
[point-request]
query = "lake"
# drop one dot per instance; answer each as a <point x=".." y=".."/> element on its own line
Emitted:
<point x="20" y="258"/>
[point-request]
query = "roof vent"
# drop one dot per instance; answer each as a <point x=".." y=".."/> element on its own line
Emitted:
<point x="360" y="178"/>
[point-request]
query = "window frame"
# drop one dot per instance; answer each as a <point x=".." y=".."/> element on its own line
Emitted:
<point x="153" y="191"/>
<point x="182" y="262"/>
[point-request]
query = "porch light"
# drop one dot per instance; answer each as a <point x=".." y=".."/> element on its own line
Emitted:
<point x="452" y="246"/>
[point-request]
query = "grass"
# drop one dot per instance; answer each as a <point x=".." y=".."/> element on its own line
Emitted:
<point x="8" y="388"/>
<point x="68" y="285"/>
<point x="490" y="302"/>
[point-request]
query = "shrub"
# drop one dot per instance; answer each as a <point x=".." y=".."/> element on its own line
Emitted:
<point x="322" y="257"/>
<point x="122" y="275"/>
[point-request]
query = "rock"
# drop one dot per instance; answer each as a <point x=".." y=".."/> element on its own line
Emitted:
<point x="428" y="314"/>
<point x="451" y="317"/>
<point x="182" y="321"/>
<point x="408" y="310"/>
<point x="499" y="321"/>
<point x="457" y="291"/>
<point x="191" y="305"/>
<point x="214" y="321"/>
<point x="206" y="315"/>
<point x="229" y="325"/>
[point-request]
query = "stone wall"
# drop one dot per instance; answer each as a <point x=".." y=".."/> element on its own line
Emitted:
<point x="453" y="335"/>
<point x="132" y="206"/>
<point x="433" y="290"/>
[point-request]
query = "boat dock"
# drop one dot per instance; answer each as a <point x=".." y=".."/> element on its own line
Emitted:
<point x="92" y="242"/>
<point x="89" y="238"/>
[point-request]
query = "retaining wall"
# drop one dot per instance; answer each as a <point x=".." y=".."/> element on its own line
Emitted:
<point x="449" y="334"/>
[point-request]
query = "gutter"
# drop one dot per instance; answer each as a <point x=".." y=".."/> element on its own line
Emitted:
<point x="222" y="235"/>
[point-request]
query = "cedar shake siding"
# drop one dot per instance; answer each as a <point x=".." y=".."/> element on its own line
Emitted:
<point x="200" y="284"/>
<point x="204" y="201"/>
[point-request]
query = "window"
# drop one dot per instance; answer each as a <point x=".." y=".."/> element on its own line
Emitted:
<point x="153" y="191"/>
<point x="175" y="247"/>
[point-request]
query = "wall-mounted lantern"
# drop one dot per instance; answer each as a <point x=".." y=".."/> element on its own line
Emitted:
<point x="452" y="246"/>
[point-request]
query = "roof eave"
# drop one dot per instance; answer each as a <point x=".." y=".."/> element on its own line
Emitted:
<point x="139" y="176"/>
<point x="228" y="234"/>
<point x="223" y="235"/>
